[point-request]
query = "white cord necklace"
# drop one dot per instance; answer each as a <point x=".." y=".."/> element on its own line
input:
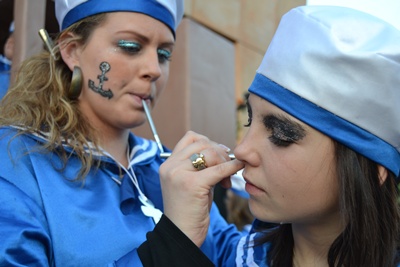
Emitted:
<point x="147" y="206"/>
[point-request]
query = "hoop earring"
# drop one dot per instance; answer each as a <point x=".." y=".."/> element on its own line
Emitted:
<point x="75" y="88"/>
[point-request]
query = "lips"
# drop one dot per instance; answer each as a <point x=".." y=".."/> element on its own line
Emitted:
<point x="138" y="98"/>
<point x="148" y="100"/>
<point x="251" y="188"/>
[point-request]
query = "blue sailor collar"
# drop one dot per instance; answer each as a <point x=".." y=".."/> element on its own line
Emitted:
<point x="142" y="151"/>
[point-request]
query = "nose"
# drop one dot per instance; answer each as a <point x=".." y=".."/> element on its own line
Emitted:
<point x="245" y="151"/>
<point x="239" y="151"/>
<point x="151" y="68"/>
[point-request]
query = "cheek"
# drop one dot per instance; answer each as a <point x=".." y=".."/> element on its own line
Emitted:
<point x="117" y="77"/>
<point x="298" y="171"/>
<point x="313" y="177"/>
<point x="298" y="192"/>
<point x="91" y="58"/>
<point x="315" y="158"/>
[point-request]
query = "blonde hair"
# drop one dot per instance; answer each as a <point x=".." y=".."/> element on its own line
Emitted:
<point x="38" y="101"/>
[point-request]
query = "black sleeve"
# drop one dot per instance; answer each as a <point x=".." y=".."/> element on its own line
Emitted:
<point x="168" y="246"/>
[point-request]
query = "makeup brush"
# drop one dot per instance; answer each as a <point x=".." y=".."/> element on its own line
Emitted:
<point x="153" y="128"/>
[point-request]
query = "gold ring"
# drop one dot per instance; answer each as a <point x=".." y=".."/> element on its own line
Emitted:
<point x="198" y="161"/>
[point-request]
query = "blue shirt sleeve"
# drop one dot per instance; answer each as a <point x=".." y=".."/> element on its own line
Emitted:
<point x="222" y="239"/>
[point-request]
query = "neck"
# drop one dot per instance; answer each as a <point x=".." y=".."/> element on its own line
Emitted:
<point x="116" y="145"/>
<point x="312" y="243"/>
<point x="113" y="138"/>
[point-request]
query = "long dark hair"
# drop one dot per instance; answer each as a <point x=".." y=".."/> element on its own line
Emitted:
<point x="370" y="210"/>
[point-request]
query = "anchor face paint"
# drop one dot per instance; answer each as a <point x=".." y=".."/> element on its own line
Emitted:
<point x="104" y="67"/>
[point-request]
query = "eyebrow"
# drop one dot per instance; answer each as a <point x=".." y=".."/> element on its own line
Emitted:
<point x="284" y="127"/>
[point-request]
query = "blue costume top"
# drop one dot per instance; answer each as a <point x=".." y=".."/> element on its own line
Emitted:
<point x="248" y="255"/>
<point x="5" y="71"/>
<point x="47" y="219"/>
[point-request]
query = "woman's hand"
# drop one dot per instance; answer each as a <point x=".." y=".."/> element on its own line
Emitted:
<point x="188" y="192"/>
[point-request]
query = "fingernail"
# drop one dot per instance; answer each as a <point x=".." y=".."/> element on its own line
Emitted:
<point x="227" y="149"/>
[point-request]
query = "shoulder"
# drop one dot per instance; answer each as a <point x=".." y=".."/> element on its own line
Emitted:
<point x="18" y="170"/>
<point x="21" y="155"/>
<point x="11" y="141"/>
<point x="16" y="144"/>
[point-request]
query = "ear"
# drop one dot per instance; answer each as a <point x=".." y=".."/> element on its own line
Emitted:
<point x="383" y="174"/>
<point x="69" y="50"/>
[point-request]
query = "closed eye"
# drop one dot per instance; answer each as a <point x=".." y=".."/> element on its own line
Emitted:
<point x="284" y="131"/>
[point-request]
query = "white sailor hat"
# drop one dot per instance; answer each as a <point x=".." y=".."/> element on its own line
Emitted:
<point x="169" y="12"/>
<point x="338" y="70"/>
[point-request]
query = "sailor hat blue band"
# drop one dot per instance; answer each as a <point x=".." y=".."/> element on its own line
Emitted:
<point x="169" y="12"/>
<point x="328" y="123"/>
<point x="337" y="69"/>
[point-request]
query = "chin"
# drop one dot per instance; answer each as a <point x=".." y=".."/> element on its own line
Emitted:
<point x="136" y="124"/>
<point x="261" y="213"/>
<point x="257" y="211"/>
<point x="136" y="121"/>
